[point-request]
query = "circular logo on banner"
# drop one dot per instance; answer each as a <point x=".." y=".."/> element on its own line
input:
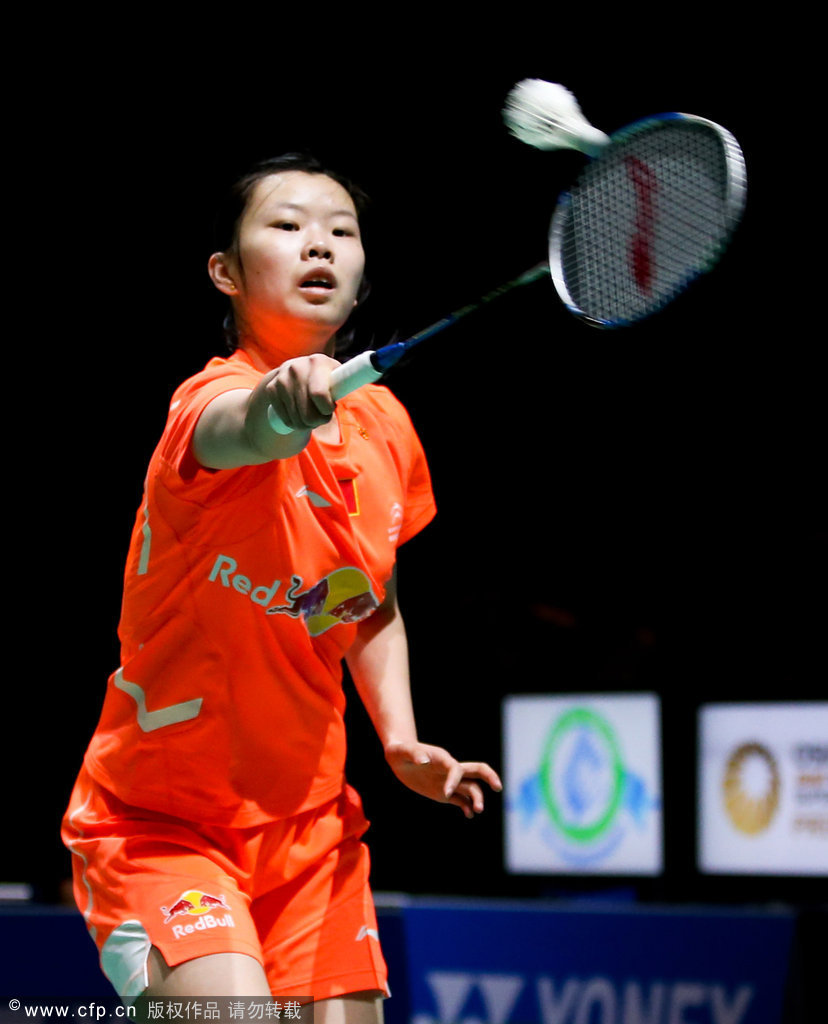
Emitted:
<point x="582" y="776"/>
<point x="751" y="788"/>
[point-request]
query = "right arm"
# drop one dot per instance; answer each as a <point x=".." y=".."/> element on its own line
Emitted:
<point x="234" y="429"/>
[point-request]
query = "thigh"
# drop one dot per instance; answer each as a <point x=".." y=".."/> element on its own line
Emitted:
<point x="319" y="929"/>
<point x="216" y="974"/>
<point x="145" y="883"/>
<point x="357" y="1008"/>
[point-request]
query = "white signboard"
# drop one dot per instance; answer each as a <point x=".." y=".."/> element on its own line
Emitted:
<point x="763" y="789"/>
<point x="582" y="780"/>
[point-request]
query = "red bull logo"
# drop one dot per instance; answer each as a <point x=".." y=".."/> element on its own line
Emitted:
<point x="343" y="596"/>
<point x="199" y="905"/>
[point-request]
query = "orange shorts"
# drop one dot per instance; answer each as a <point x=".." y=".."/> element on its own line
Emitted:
<point x="293" y="894"/>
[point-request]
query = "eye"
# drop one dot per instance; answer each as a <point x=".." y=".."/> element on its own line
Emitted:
<point x="286" y="225"/>
<point x="343" y="233"/>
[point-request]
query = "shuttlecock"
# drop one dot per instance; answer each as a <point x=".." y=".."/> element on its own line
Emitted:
<point x="546" y="115"/>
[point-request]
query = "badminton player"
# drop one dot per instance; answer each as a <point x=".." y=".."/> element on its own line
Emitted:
<point x="217" y="845"/>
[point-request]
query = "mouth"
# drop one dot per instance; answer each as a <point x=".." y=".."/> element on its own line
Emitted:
<point x="322" y="280"/>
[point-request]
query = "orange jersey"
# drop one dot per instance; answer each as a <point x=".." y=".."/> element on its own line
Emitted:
<point x="242" y="594"/>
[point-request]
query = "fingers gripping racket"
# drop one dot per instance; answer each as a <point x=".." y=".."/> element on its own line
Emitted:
<point x="652" y="211"/>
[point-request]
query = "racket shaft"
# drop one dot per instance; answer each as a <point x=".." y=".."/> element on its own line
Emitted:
<point x="385" y="358"/>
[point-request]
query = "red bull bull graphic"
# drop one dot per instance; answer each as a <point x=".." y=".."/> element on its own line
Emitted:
<point x="199" y="905"/>
<point x="343" y="596"/>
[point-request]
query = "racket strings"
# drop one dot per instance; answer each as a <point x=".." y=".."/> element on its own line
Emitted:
<point x="650" y="214"/>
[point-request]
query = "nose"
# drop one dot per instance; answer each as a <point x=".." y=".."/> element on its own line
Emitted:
<point x="317" y="251"/>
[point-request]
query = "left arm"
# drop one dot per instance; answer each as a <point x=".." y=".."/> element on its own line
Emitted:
<point x="378" y="662"/>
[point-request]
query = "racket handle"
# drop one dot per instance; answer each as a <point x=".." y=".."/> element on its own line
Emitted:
<point x="346" y="378"/>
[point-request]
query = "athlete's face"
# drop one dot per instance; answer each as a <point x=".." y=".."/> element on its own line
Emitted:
<point x="299" y="259"/>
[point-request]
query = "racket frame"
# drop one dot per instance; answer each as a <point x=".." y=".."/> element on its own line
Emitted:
<point x="734" y="203"/>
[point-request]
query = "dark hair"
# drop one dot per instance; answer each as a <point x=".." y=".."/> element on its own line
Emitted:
<point x="231" y="211"/>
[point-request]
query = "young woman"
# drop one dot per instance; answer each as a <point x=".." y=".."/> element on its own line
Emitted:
<point x="217" y="844"/>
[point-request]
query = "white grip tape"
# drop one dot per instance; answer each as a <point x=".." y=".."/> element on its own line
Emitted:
<point x="345" y="379"/>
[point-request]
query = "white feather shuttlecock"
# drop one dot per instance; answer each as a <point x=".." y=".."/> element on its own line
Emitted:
<point x="546" y="115"/>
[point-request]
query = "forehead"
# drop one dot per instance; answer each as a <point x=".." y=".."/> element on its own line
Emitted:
<point x="316" y="192"/>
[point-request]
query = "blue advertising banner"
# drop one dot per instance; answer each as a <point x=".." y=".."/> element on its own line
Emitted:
<point x="516" y="964"/>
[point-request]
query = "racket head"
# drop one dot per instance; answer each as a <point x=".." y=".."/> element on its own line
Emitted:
<point x="651" y="213"/>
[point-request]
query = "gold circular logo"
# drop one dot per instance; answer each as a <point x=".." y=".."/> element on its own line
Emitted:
<point x="751" y="788"/>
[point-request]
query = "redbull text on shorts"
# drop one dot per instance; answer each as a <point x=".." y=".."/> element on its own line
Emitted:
<point x="203" y="924"/>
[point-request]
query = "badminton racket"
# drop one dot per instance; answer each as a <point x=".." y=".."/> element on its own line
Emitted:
<point x="652" y="211"/>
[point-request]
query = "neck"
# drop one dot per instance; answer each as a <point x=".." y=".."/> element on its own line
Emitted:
<point x="266" y="353"/>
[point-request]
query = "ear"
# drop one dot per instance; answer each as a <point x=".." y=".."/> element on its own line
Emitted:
<point x="223" y="273"/>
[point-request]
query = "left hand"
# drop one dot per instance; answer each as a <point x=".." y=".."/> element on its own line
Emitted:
<point x="433" y="772"/>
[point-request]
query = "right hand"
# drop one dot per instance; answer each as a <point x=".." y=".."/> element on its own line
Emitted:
<point x="299" y="391"/>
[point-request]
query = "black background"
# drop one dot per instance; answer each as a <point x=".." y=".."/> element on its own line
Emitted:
<point x="623" y="511"/>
